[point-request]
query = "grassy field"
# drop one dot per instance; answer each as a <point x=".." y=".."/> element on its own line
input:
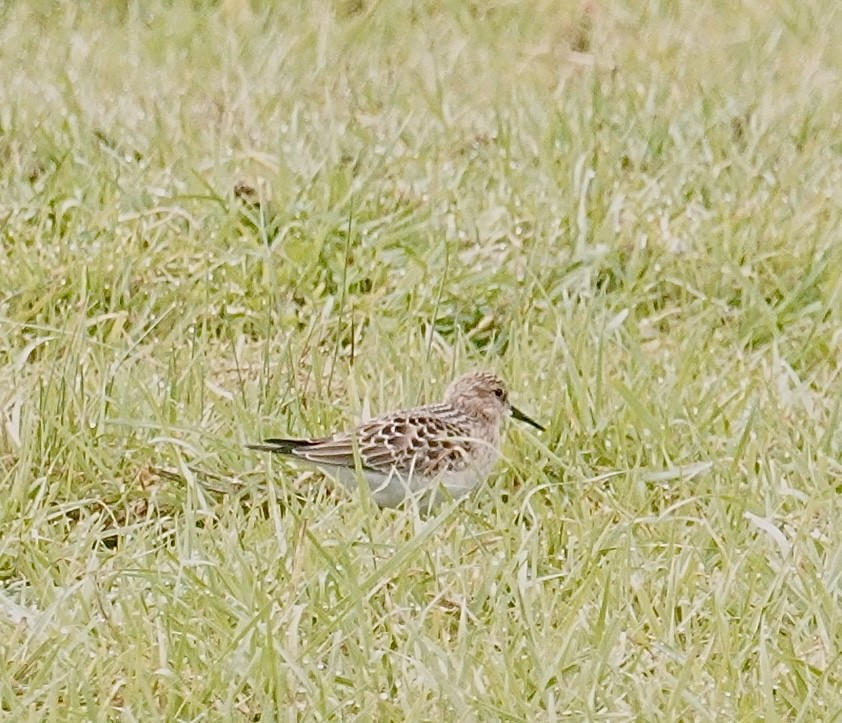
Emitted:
<point x="221" y="222"/>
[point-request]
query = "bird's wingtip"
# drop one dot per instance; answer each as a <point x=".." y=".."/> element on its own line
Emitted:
<point x="260" y="447"/>
<point x="279" y="446"/>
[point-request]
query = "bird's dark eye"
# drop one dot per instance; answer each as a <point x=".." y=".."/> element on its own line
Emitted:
<point x="500" y="393"/>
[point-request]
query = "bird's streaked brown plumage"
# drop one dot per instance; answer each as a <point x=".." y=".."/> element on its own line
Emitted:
<point x="455" y="442"/>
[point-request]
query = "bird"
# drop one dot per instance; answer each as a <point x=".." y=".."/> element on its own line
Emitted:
<point x="414" y="453"/>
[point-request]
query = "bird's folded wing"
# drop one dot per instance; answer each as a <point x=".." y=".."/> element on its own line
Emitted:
<point x="335" y="451"/>
<point x="403" y="441"/>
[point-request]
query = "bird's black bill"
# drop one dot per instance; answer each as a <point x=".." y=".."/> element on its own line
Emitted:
<point x="521" y="417"/>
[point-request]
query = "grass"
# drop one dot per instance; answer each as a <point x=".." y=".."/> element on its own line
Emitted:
<point x="630" y="210"/>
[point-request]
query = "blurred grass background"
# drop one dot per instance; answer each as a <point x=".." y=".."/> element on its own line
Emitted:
<point x="224" y="220"/>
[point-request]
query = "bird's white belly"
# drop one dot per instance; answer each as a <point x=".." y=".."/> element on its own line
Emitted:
<point x="390" y="490"/>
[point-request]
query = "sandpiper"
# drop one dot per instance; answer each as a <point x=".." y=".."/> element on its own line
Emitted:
<point x="410" y="453"/>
